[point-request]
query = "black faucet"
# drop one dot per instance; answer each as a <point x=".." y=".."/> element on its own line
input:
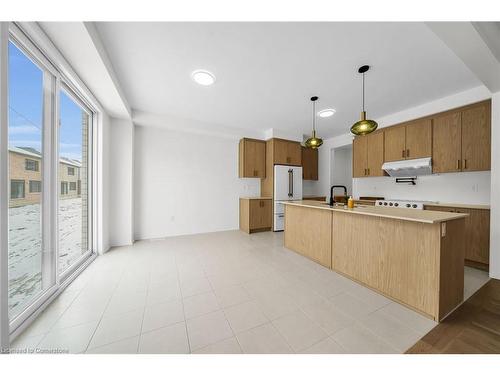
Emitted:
<point x="332" y="201"/>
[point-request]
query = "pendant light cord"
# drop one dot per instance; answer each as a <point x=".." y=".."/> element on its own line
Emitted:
<point x="314" y="117"/>
<point x="363" y="92"/>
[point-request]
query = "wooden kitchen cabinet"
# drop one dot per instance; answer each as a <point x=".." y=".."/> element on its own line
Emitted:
<point x="410" y="141"/>
<point x="255" y="214"/>
<point x="287" y="152"/>
<point x="418" y="139"/>
<point x="375" y="154"/>
<point x="394" y="143"/>
<point x="447" y="143"/>
<point x="462" y="139"/>
<point x="476" y="137"/>
<point x="252" y="158"/>
<point x="309" y="164"/>
<point x="477" y="234"/>
<point x="368" y="155"/>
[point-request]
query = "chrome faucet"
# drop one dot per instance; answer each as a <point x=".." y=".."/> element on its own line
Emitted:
<point x="332" y="200"/>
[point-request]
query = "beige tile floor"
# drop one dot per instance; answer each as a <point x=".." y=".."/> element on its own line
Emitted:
<point x="224" y="292"/>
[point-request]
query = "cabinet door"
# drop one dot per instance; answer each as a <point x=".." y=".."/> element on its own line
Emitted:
<point x="476" y="138"/>
<point x="446" y="143"/>
<point x="280" y="149"/>
<point x="477" y="235"/>
<point x="309" y="164"/>
<point x="359" y="168"/>
<point x="252" y="158"/>
<point x="266" y="213"/>
<point x="375" y="154"/>
<point x="419" y="139"/>
<point x="394" y="143"/>
<point x="294" y="153"/>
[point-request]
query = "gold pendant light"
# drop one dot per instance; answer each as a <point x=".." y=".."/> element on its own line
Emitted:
<point x="314" y="142"/>
<point x="363" y="126"/>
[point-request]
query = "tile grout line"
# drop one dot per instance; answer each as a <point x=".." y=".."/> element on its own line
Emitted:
<point x="182" y="301"/>
<point x="102" y="315"/>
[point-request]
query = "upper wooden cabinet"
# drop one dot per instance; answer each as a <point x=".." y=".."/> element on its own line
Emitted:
<point x="359" y="157"/>
<point x="309" y="163"/>
<point x="252" y="158"/>
<point x="368" y="155"/>
<point x="476" y="137"/>
<point x="418" y="139"/>
<point x="286" y="152"/>
<point x="394" y="143"/>
<point x="462" y="139"/>
<point x="446" y="143"/>
<point x="409" y="141"/>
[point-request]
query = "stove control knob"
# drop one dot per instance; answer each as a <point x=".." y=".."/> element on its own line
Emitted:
<point x="390" y="204"/>
<point x="380" y="203"/>
<point x="396" y="204"/>
<point x="385" y="203"/>
<point x="414" y="206"/>
<point x="408" y="205"/>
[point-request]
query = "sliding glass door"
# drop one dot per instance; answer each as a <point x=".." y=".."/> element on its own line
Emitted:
<point x="26" y="162"/>
<point x="74" y="180"/>
<point x="50" y="170"/>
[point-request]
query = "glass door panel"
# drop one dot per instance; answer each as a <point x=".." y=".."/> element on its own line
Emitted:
<point x="73" y="215"/>
<point x="25" y="128"/>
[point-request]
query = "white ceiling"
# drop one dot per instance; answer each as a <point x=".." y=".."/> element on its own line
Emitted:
<point x="266" y="72"/>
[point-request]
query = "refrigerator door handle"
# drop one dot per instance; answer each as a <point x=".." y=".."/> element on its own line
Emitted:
<point x="290" y="183"/>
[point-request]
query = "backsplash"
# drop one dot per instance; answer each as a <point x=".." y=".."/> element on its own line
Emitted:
<point x="465" y="187"/>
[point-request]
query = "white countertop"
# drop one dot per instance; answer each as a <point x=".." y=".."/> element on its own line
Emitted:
<point x="421" y="216"/>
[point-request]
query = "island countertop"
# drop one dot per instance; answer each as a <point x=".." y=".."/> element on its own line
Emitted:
<point x="421" y="216"/>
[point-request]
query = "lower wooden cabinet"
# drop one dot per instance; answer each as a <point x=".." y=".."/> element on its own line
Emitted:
<point x="255" y="214"/>
<point x="477" y="234"/>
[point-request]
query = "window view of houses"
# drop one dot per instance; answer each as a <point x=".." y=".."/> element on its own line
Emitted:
<point x="25" y="165"/>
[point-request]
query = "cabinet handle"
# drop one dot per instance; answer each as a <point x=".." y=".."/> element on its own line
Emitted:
<point x="458" y="164"/>
<point x="403" y="153"/>
<point x="368" y="171"/>
<point x="365" y="171"/>
<point x="407" y="152"/>
<point x="465" y="163"/>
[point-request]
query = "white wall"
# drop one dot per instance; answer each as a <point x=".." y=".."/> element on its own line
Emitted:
<point x="186" y="183"/>
<point x="121" y="159"/>
<point x="341" y="167"/>
<point x="466" y="187"/>
<point x="103" y="182"/>
<point x="495" y="188"/>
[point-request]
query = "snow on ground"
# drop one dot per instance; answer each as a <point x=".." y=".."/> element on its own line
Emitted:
<point x="25" y="248"/>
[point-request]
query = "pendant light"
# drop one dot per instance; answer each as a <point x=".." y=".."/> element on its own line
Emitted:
<point x="363" y="126"/>
<point x="314" y="142"/>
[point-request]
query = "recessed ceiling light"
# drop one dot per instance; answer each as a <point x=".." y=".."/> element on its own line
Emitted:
<point x="326" y="112"/>
<point x="203" y="77"/>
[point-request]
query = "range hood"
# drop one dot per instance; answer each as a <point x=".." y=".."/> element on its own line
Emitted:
<point x="408" y="168"/>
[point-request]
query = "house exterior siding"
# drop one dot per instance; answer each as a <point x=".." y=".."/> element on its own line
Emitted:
<point x="19" y="173"/>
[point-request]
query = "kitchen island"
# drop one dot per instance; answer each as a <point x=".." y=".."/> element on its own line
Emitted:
<point x="415" y="257"/>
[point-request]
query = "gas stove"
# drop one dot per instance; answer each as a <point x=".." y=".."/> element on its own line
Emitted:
<point x="414" y="205"/>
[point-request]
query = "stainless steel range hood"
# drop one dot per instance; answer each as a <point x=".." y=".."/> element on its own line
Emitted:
<point x="408" y="168"/>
